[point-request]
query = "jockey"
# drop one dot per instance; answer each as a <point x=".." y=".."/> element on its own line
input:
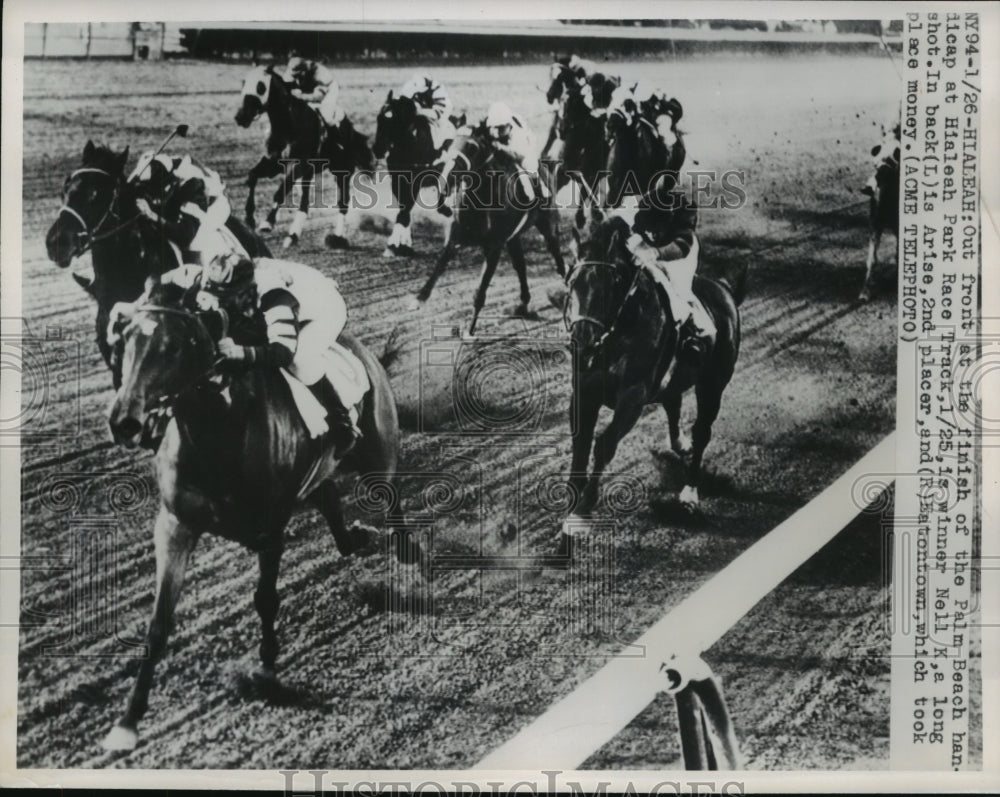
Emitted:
<point x="513" y="139"/>
<point x="664" y="242"/>
<point x="304" y="314"/>
<point x="432" y="104"/>
<point x="189" y="201"/>
<point x="652" y="105"/>
<point x="886" y="152"/>
<point x="316" y="84"/>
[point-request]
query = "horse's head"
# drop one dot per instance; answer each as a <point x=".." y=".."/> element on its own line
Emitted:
<point x="598" y="283"/>
<point x="89" y="197"/>
<point x="561" y="79"/>
<point x="164" y="351"/>
<point x="393" y="123"/>
<point x="257" y="89"/>
<point x="622" y="113"/>
<point x="468" y="152"/>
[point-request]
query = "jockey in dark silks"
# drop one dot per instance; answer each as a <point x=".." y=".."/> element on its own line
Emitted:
<point x="316" y="84"/>
<point x="664" y="242"/>
<point x="189" y="202"/>
<point x="281" y="315"/>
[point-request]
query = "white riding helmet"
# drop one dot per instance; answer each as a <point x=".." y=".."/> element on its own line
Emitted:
<point x="141" y="170"/>
<point x="499" y="115"/>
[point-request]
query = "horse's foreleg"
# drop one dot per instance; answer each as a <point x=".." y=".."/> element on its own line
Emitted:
<point x="265" y="168"/>
<point x="337" y="239"/>
<point x="547" y="224"/>
<point x="174" y="543"/>
<point x="516" y="253"/>
<point x="280" y="196"/>
<point x="266" y="601"/>
<point x="709" y="397"/>
<point x="679" y="443"/>
<point x="298" y="222"/>
<point x="873" y="242"/>
<point x="443" y="259"/>
<point x="628" y="407"/>
<point x="493" y="252"/>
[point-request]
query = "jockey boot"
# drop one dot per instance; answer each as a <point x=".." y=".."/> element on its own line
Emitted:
<point x="343" y="430"/>
<point x="695" y="335"/>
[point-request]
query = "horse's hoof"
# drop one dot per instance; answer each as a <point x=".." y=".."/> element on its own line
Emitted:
<point x="289" y="241"/>
<point x="520" y="310"/>
<point x="264" y="676"/>
<point x="337" y="242"/>
<point x="576" y="524"/>
<point x="681" y="446"/>
<point x="468" y="336"/>
<point x="689" y="497"/>
<point x="416" y="303"/>
<point x="864" y="296"/>
<point x="365" y="540"/>
<point x="389" y="251"/>
<point x="404" y="251"/>
<point x="120" y="738"/>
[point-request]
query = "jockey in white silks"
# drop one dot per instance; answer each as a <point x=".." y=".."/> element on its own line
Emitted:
<point x="189" y="201"/>
<point x="652" y="104"/>
<point x="432" y="104"/>
<point x="512" y="138"/>
<point x="316" y="84"/>
<point x="304" y="313"/>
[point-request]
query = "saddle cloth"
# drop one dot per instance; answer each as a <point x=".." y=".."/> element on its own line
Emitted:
<point x="349" y="378"/>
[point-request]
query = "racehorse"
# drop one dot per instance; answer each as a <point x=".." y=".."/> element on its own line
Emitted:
<point x="299" y="138"/>
<point x="883" y="214"/>
<point x="404" y="138"/>
<point x="625" y="338"/>
<point x="637" y="155"/>
<point x="581" y="128"/>
<point x="99" y="215"/>
<point x="494" y="225"/>
<point x="230" y="462"/>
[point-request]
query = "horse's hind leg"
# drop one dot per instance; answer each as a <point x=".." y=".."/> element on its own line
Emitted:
<point x="337" y="239"/>
<point x="679" y="443"/>
<point x="709" y="397"/>
<point x="307" y="175"/>
<point x="516" y="253"/>
<point x="443" y="259"/>
<point x="174" y="543"/>
<point x="266" y="601"/>
<point x="349" y="541"/>
<point x="265" y="168"/>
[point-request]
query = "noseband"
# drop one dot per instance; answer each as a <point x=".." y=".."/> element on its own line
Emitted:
<point x="86" y="238"/>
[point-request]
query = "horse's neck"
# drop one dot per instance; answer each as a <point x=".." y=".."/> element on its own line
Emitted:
<point x="279" y="112"/>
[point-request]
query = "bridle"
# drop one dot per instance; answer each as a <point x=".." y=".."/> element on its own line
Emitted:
<point x="86" y="238"/>
<point x="606" y="331"/>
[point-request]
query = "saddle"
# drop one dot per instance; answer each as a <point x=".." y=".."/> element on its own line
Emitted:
<point x="349" y="380"/>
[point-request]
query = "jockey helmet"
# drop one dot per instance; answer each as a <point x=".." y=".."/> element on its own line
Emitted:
<point x="499" y="115"/>
<point x="297" y="65"/>
<point x="144" y="167"/>
<point x="228" y="270"/>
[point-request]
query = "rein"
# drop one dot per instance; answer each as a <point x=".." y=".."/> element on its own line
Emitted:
<point x="608" y="330"/>
<point x="90" y="238"/>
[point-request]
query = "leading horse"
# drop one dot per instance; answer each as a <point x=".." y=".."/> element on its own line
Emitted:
<point x="625" y="337"/>
<point x="638" y="159"/>
<point x="299" y="147"/>
<point x="883" y="214"/>
<point x="99" y="215"/>
<point x="404" y="138"/>
<point x="494" y="209"/>
<point x="231" y="462"/>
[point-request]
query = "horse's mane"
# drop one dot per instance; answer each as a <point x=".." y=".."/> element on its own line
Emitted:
<point x="607" y="242"/>
<point x="101" y="156"/>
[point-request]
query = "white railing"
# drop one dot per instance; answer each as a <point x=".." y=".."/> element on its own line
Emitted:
<point x="670" y="652"/>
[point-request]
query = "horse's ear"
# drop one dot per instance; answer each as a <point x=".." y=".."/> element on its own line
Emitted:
<point x="88" y="149"/>
<point x="122" y="160"/>
<point x="389" y="96"/>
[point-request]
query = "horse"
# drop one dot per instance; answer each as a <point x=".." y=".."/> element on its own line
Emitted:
<point x="404" y="138"/>
<point x="99" y="214"/>
<point x="481" y="220"/>
<point x="232" y="462"/>
<point x="637" y="156"/>
<point x="580" y="126"/>
<point x="883" y="214"/>
<point x="298" y="136"/>
<point x="625" y="337"/>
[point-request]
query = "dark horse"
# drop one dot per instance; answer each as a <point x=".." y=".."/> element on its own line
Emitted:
<point x="581" y="128"/>
<point x="403" y="137"/>
<point x="495" y="207"/>
<point x="99" y="214"/>
<point x="299" y="137"/>
<point x="638" y="157"/>
<point x="235" y="465"/>
<point x="625" y="337"/>
<point x="883" y="214"/>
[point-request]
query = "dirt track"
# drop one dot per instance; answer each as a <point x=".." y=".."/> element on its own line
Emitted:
<point x="806" y="673"/>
